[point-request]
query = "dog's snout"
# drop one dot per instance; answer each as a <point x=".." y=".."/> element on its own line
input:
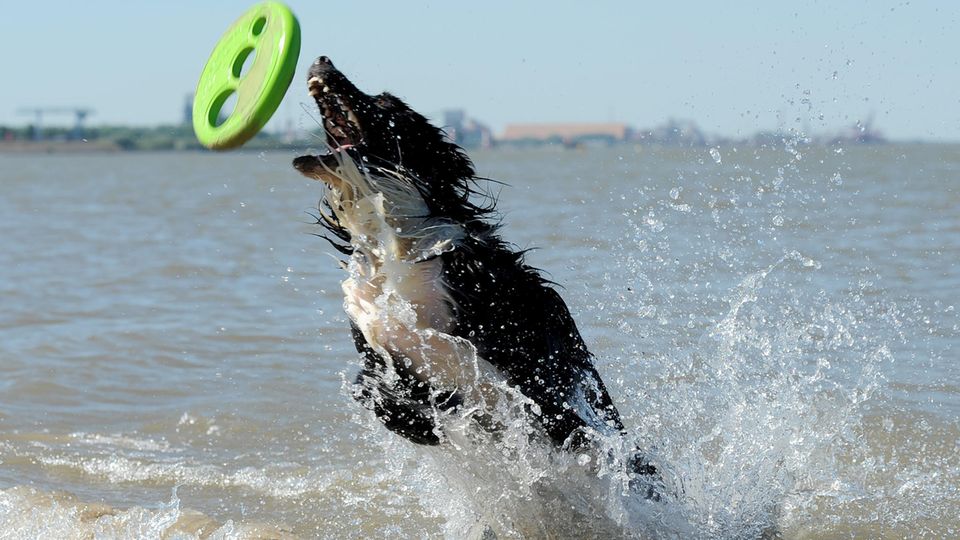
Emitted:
<point x="321" y="66"/>
<point x="304" y="163"/>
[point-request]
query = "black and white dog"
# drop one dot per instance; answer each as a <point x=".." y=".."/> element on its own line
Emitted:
<point x="444" y="312"/>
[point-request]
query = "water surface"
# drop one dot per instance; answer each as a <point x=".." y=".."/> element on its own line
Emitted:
<point x="779" y="326"/>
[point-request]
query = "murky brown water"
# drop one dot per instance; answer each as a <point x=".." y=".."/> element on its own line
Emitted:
<point x="782" y="326"/>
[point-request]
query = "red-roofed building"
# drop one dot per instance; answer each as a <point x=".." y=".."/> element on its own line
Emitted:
<point x="566" y="132"/>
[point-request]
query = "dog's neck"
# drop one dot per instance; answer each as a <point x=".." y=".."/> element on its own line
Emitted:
<point x="386" y="216"/>
<point x="395" y="292"/>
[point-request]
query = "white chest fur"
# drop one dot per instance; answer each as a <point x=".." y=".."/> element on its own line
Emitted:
<point x="395" y="293"/>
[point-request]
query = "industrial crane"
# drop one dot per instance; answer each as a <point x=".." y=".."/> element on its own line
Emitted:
<point x="80" y="113"/>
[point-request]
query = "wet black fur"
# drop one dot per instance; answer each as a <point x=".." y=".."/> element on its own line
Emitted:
<point x="511" y="314"/>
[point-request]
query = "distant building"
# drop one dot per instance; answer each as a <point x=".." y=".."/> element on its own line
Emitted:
<point x="454" y="118"/>
<point x="188" y="110"/>
<point x="568" y="134"/>
<point x="465" y="131"/>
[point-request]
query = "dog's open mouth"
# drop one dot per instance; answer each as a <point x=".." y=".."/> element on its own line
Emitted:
<point x="336" y="98"/>
<point x="339" y="121"/>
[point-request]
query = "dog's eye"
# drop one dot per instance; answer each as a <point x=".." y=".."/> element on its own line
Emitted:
<point x="388" y="101"/>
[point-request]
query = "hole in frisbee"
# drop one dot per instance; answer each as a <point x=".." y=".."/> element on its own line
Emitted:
<point x="222" y="107"/>
<point x="258" y="25"/>
<point x="241" y="65"/>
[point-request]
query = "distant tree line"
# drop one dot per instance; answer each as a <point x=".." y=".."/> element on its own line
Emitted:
<point x="173" y="137"/>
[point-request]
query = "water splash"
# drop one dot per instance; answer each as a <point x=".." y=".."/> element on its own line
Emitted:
<point x="754" y="406"/>
<point x="747" y="427"/>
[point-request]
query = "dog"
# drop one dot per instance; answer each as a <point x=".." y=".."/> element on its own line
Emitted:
<point x="444" y="313"/>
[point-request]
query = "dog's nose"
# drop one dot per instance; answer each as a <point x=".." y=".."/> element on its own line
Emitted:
<point x="321" y="66"/>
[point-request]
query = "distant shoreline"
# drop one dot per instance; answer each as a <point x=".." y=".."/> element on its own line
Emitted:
<point x="672" y="134"/>
<point x="55" y="147"/>
<point x="112" y="147"/>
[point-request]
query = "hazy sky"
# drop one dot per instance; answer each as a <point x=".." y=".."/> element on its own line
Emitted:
<point x="733" y="67"/>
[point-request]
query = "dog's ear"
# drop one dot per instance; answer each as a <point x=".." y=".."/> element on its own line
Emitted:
<point x="454" y="163"/>
<point x="442" y="159"/>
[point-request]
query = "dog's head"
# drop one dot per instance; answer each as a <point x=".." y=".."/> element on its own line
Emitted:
<point x="382" y="132"/>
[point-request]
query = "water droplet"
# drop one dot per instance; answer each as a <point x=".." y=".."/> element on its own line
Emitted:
<point x="715" y="154"/>
<point x="675" y="193"/>
<point x="778" y="220"/>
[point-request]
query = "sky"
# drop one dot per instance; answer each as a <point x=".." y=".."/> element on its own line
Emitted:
<point x="733" y="67"/>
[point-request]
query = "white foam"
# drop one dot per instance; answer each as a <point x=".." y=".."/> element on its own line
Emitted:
<point x="281" y="481"/>
<point x="30" y="514"/>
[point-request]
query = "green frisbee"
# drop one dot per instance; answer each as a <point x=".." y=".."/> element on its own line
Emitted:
<point x="270" y="33"/>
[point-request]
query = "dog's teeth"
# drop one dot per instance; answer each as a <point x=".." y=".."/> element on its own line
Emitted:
<point x="352" y="118"/>
<point x="326" y="89"/>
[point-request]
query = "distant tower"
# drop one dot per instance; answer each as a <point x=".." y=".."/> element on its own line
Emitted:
<point x="465" y="131"/>
<point x="188" y="110"/>
<point x="453" y="120"/>
<point x="454" y="117"/>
